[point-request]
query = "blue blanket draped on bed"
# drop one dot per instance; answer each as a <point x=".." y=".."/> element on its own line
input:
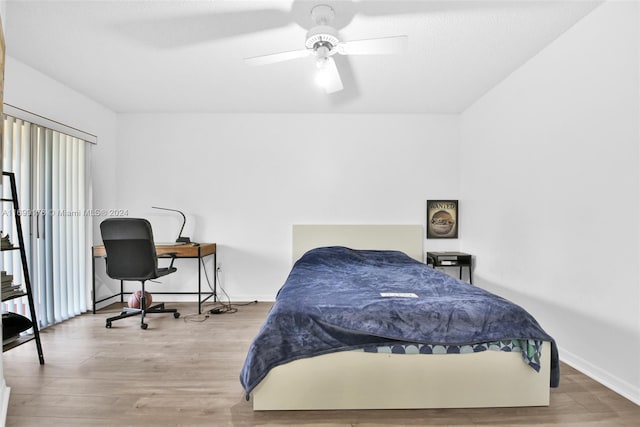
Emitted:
<point x="332" y="301"/>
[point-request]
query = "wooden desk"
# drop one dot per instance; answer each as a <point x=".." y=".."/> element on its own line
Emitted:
<point x="181" y="251"/>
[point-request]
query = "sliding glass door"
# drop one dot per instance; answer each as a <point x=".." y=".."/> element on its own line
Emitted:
<point x="53" y="182"/>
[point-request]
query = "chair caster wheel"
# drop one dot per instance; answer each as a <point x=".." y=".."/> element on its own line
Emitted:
<point x="176" y="315"/>
<point x="144" y="326"/>
<point x="108" y="325"/>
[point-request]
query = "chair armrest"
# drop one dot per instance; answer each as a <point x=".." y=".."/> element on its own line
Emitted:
<point x="172" y="255"/>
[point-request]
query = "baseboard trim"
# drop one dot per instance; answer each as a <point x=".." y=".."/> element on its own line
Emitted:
<point x="618" y="385"/>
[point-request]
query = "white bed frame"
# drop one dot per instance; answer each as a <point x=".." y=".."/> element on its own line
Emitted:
<point x="359" y="380"/>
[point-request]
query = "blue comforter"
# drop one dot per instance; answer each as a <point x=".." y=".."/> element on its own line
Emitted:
<point x="333" y="301"/>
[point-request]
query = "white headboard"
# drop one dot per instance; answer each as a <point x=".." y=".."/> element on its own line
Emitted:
<point x="406" y="238"/>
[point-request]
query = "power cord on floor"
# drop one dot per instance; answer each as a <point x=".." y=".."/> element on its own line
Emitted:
<point x="229" y="307"/>
<point x="219" y="307"/>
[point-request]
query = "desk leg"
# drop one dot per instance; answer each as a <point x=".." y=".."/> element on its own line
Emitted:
<point x="93" y="282"/>
<point x="470" y="277"/>
<point x="215" y="277"/>
<point x="201" y="265"/>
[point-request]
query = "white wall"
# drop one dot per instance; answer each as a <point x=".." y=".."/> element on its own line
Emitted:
<point x="244" y="179"/>
<point x="550" y="185"/>
<point x="29" y="89"/>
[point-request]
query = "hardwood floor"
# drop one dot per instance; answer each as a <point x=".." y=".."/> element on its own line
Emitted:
<point x="184" y="372"/>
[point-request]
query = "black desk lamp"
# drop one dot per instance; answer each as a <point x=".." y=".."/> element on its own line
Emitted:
<point x="180" y="238"/>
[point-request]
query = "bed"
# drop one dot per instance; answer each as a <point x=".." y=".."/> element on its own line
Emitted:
<point x="362" y="323"/>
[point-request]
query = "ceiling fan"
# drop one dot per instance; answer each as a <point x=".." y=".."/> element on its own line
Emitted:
<point x="323" y="41"/>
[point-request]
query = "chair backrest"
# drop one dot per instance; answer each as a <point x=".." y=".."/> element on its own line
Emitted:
<point x="131" y="252"/>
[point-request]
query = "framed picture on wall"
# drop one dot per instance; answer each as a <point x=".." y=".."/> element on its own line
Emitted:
<point x="442" y="219"/>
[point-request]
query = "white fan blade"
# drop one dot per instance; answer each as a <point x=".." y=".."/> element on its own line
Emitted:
<point x="379" y="46"/>
<point x="328" y="76"/>
<point x="278" y="57"/>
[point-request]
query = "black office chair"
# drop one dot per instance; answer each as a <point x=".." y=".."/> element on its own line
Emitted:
<point x="131" y="255"/>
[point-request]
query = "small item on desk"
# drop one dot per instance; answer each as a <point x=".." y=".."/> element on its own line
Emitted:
<point x="181" y="238"/>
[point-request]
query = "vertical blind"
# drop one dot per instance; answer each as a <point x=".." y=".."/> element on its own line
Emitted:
<point x="52" y="171"/>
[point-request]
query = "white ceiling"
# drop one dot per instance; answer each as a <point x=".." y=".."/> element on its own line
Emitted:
<point x="187" y="56"/>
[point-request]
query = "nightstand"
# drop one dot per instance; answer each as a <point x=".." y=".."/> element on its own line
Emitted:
<point x="451" y="259"/>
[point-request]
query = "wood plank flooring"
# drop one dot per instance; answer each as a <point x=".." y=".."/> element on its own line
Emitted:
<point x="184" y="372"/>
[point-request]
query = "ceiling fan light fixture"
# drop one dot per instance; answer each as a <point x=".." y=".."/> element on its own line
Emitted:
<point x="327" y="75"/>
<point x="323" y="77"/>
